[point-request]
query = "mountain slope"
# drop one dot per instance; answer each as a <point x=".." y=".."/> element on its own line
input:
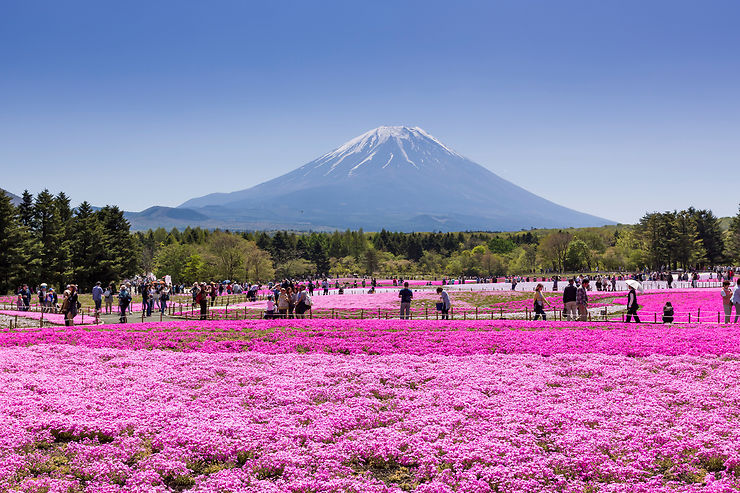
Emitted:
<point x="14" y="199"/>
<point x="395" y="178"/>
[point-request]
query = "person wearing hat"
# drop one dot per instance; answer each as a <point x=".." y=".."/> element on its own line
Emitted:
<point x="582" y="301"/>
<point x="70" y="305"/>
<point x="97" y="296"/>
<point x="632" y="305"/>
<point x="42" y="296"/>
<point x="124" y="300"/>
<point x="51" y="300"/>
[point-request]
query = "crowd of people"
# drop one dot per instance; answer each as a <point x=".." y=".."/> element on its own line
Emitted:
<point x="292" y="299"/>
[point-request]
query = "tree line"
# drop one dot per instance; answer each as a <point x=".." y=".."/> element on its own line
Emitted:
<point x="44" y="239"/>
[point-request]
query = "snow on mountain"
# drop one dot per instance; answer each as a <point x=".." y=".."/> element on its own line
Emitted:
<point x="376" y="147"/>
<point x="395" y="178"/>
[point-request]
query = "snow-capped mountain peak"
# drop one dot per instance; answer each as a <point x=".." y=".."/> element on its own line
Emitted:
<point x="382" y="148"/>
<point x="397" y="178"/>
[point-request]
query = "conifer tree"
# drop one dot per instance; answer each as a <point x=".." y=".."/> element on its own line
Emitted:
<point x="11" y="244"/>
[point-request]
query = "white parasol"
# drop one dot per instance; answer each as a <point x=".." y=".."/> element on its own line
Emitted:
<point x="634" y="284"/>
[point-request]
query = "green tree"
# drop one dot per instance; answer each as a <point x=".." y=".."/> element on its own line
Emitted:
<point x="709" y="233"/>
<point x="86" y="248"/>
<point x="501" y="245"/>
<point x="732" y="240"/>
<point x="11" y="244"/>
<point x="27" y="210"/>
<point x="120" y="248"/>
<point x="295" y="268"/>
<point x="371" y="260"/>
<point x="227" y="254"/>
<point x="578" y="255"/>
<point x="258" y="266"/>
<point x="49" y="231"/>
<point x="194" y="269"/>
<point x="171" y="260"/>
<point x="553" y="249"/>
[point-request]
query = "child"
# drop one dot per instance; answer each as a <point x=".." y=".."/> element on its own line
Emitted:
<point x="668" y="313"/>
<point x="270" y="312"/>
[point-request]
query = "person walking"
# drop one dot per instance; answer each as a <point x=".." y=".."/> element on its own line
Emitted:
<point x="406" y="296"/>
<point x="164" y="297"/>
<point x="213" y="290"/>
<point x="51" y="301"/>
<point x="569" y="300"/>
<point x="736" y="300"/>
<point x="124" y="300"/>
<point x="108" y="297"/>
<point x="25" y="297"/>
<point x="539" y="303"/>
<point x="97" y="296"/>
<point x="582" y="301"/>
<point x="727" y="300"/>
<point x="444" y="303"/>
<point x="632" y="305"/>
<point x="156" y="291"/>
<point x="145" y="300"/>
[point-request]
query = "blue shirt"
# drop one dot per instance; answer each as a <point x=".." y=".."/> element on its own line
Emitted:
<point x="406" y="295"/>
<point x="97" y="293"/>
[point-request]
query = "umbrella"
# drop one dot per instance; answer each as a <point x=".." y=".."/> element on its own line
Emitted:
<point x="43" y="285"/>
<point x="226" y="282"/>
<point x="634" y="284"/>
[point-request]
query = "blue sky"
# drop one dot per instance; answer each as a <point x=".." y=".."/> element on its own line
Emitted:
<point x="613" y="108"/>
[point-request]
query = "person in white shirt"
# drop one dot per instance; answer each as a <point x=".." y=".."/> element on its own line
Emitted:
<point x="727" y="300"/>
<point x="736" y="300"/>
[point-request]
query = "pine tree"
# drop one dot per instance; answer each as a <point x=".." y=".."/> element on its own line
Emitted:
<point x="11" y="243"/>
<point x="120" y="250"/>
<point x="49" y="231"/>
<point x="733" y="239"/>
<point x="86" y="248"/>
<point x="26" y="210"/>
<point x="710" y="233"/>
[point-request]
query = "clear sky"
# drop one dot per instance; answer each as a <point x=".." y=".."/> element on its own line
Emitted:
<point x="609" y="107"/>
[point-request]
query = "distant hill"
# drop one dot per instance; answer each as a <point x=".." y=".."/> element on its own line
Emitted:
<point x="166" y="217"/>
<point x="16" y="200"/>
<point x="397" y="178"/>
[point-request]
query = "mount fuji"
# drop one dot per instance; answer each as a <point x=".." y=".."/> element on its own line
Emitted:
<point x="397" y="178"/>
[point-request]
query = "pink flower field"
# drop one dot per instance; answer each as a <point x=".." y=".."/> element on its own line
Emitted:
<point x="700" y="304"/>
<point x="370" y="406"/>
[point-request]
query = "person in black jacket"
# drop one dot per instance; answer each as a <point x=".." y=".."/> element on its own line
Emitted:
<point x="569" y="300"/>
<point x="668" y="313"/>
<point x="632" y="305"/>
